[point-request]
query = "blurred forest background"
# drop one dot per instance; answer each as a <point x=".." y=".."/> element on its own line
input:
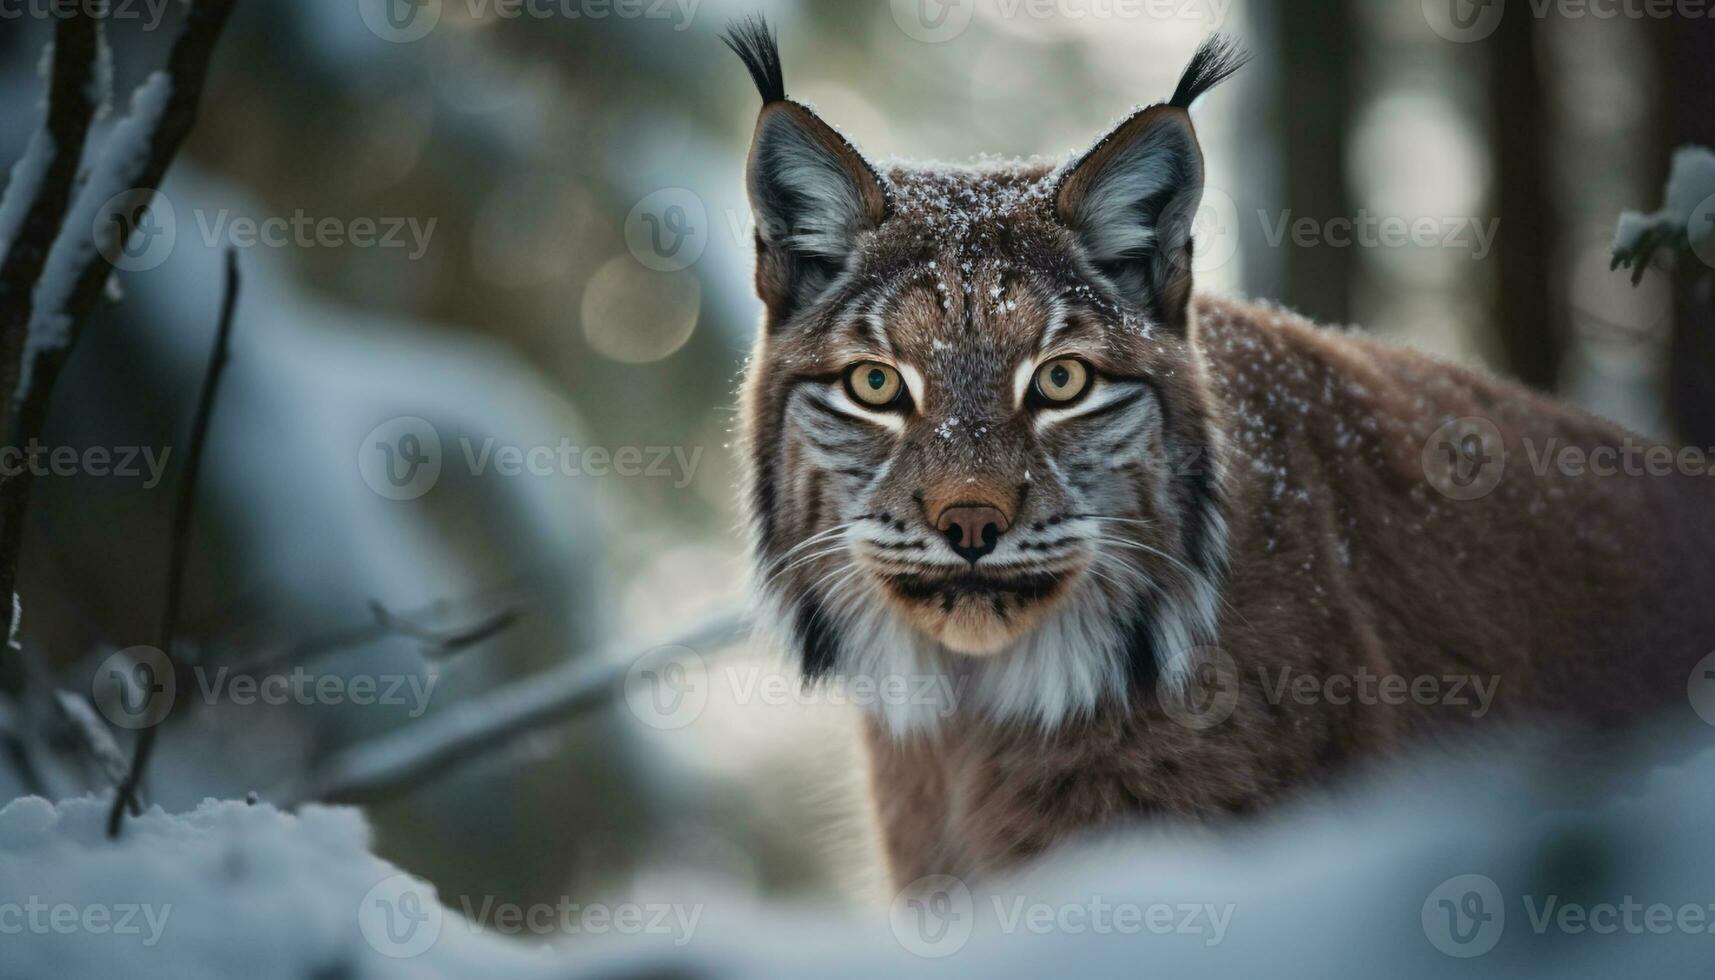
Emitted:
<point x="547" y="149"/>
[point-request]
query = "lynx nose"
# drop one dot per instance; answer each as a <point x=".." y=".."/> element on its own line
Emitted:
<point x="972" y="529"/>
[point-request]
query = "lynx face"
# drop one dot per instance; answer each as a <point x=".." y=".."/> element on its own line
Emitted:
<point x="977" y="440"/>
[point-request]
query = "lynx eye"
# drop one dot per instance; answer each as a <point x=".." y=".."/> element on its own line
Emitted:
<point x="1062" y="380"/>
<point x="874" y="384"/>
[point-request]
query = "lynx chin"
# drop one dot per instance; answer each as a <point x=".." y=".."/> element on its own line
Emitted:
<point x="993" y="436"/>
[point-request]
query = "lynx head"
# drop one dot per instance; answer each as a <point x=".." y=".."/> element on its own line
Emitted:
<point x="977" y="437"/>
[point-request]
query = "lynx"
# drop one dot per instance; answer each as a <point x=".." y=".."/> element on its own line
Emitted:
<point x="1175" y="556"/>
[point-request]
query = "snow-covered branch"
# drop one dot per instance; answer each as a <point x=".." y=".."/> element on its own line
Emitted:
<point x="415" y="754"/>
<point x="1684" y="223"/>
<point x="40" y="189"/>
<point x="126" y="172"/>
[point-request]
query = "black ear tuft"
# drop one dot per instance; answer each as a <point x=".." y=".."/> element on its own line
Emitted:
<point x="751" y="39"/>
<point x="1217" y="58"/>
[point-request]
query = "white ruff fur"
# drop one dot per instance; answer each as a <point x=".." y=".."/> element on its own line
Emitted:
<point x="1059" y="672"/>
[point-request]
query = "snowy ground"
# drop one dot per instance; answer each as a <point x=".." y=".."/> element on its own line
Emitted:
<point x="1548" y="864"/>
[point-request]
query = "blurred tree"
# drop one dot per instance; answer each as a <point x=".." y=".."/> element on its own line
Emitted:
<point x="1529" y="311"/>
<point x="1687" y="58"/>
<point x="1315" y="107"/>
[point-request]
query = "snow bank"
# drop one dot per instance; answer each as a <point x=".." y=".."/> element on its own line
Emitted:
<point x="1592" y="863"/>
<point x="226" y="890"/>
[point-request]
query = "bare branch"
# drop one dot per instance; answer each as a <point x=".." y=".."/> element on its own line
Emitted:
<point x="446" y="642"/>
<point x="180" y="550"/>
<point x="386" y="624"/>
<point x="416" y="754"/>
<point x="94" y="738"/>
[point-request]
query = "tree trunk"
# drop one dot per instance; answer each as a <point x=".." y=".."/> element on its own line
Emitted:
<point x="1529" y="303"/>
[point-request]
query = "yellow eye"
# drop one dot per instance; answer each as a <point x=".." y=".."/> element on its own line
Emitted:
<point x="874" y="384"/>
<point x="1062" y="380"/>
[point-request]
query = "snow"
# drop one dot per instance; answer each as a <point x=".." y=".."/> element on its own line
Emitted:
<point x="226" y="890"/>
<point x="233" y="889"/>
<point x="1690" y="182"/>
<point x="116" y="170"/>
<point x="23" y="187"/>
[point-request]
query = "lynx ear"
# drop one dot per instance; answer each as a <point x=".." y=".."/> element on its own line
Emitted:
<point x="811" y="191"/>
<point x="1132" y="198"/>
